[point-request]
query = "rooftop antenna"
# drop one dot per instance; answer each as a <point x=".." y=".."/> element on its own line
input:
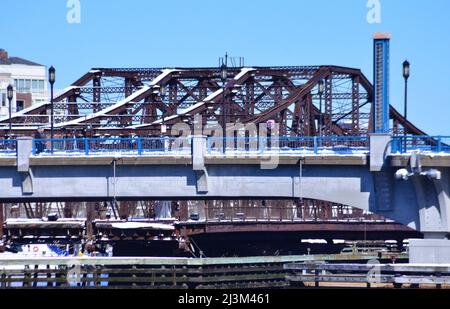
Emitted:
<point x="236" y="62"/>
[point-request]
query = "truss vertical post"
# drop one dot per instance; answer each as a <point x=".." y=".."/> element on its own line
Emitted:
<point x="173" y="98"/>
<point x="72" y="106"/>
<point x="250" y="98"/>
<point x="147" y="111"/>
<point x="308" y="107"/>
<point x="68" y="210"/>
<point x="301" y="116"/>
<point x="355" y="106"/>
<point x="124" y="211"/>
<point x="90" y="217"/>
<point x="128" y="87"/>
<point x="96" y="94"/>
<point x="296" y="128"/>
<point x="283" y="114"/>
<point x="202" y="89"/>
<point x="328" y="121"/>
<point x="283" y="129"/>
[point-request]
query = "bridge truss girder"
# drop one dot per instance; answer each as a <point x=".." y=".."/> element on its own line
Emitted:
<point x="288" y="95"/>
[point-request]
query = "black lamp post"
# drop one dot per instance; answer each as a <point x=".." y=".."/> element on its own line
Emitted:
<point x="321" y="89"/>
<point x="10" y="94"/>
<point x="51" y="80"/>
<point x="406" y="72"/>
<point x="224" y="77"/>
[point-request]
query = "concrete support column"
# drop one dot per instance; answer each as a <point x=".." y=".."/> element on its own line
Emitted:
<point x="24" y="151"/>
<point x="380" y="148"/>
<point x="442" y="187"/>
<point x="198" y="162"/>
<point x="198" y="152"/>
<point x="434" y="208"/>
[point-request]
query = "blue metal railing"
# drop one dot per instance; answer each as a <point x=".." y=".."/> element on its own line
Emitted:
<point x="308" y="144"/>
<point x="8" y="147"/>
<point x="111" y="146"/>
<point x="408" y="143"/>
<point x="257" y="145"/>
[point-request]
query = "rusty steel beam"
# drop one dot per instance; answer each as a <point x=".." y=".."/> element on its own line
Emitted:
<point x="285" y="94"/>
<point x="277" y="227"/>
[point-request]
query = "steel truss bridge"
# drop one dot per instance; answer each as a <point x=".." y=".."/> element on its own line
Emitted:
<point x="120" y="109"/>
<point x="128" y="102"/>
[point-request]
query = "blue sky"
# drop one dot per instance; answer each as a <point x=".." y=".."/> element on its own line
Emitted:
<point x="146" y="33"/>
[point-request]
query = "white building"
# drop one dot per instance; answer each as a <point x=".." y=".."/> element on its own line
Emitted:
<point x="28" y="78"/>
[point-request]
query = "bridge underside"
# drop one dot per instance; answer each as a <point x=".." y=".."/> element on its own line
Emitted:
<point x="419" y="203"/>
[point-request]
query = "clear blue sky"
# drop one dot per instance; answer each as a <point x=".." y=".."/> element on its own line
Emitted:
<point x="147" y="33"/>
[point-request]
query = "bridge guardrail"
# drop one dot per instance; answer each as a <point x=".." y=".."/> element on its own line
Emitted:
<point x="404" y="144"/>
<point x="302" y="144"/>
<point x="238" y="145"/>
<point x="8" y="147"/>
<point x="112" y="146"/>
<point x="160" y="146"/>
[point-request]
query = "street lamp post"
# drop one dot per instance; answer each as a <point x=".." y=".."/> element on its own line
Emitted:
<point x="51" y="80"/>
<point x="406" y="72"/>
<point x="10" y="94"/>
<point x="224" y="77"/>
<point x="321" y="89"/>
<point x="406" y="76"/>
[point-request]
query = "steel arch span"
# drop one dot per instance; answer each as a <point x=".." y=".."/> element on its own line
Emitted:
<point x="124" y="102"/>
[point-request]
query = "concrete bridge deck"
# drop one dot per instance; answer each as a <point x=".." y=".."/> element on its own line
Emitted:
<point x="395" y="160"/>
<point x="339" y="173"/>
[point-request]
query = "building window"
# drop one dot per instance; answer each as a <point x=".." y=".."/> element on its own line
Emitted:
<point x="35" y="84"/>
<point x="20" y="106"/>
<point x="21" y="85"/>
<point x="3" y="99"/>
<point x="41" y="84"/>
<point x="26" y="85"/>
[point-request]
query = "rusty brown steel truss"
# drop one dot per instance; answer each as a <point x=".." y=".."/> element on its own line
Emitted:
<point x="123" y="102"/>
<point x="211" y="210"/>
